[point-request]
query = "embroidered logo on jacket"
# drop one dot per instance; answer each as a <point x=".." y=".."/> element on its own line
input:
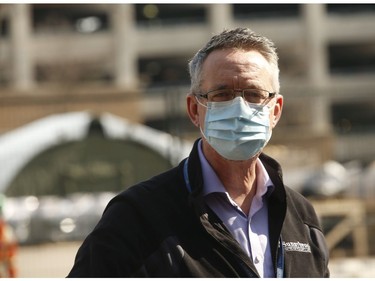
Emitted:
<point x="296" y="247"/>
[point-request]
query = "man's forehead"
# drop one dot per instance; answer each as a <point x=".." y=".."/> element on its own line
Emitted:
<point x="236" y="68"/>
<point x="235" y="60"/>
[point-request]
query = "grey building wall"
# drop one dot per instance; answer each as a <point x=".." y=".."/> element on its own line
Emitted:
<point x="326" y="59"/>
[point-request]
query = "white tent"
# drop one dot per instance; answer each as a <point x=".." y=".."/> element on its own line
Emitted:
<point x="19" y="146"/>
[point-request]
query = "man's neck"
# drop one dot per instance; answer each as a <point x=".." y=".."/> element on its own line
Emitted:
<point x="238" y="177"/>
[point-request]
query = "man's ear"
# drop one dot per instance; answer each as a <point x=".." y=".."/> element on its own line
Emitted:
<point x="277" y="110"/>
<point x="192" y="109"/>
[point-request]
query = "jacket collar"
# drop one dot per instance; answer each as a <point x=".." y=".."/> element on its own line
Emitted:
<point x="276" y="199"/>
<point x="277" y="204"/>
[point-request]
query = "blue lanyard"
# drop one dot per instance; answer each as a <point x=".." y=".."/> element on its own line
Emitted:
<point x="186" y="175"/>
<point x="280" y="260"/>
<point x="280" y="248"/>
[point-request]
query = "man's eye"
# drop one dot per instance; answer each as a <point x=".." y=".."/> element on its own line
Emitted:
<point x="223" y="94"/>
<point x="254" y="94"/>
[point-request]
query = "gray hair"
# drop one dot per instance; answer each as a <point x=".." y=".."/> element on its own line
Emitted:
<point x="239" y="38"/>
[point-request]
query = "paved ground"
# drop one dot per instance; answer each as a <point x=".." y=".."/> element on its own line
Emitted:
<point x="48" y="260"/>
<point x="55" y="260"/>
<point x="353" y="267"/>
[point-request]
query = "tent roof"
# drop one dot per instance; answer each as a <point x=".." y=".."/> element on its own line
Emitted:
<point x="19" y="146"/>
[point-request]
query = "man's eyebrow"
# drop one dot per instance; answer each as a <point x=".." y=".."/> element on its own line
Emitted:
<point x="253" y="85"/>
<point x="220" y="87"/>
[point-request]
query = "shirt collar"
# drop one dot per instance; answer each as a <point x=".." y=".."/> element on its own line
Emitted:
<point x="212" y="183"/>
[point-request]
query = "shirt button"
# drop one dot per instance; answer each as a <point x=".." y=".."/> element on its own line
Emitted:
<point x="258" y="259"/>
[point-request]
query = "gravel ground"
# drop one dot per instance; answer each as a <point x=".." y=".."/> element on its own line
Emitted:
<point x="55" y="260"/>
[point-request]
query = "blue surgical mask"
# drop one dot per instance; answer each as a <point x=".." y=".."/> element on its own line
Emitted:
<point x="236" y="129"/>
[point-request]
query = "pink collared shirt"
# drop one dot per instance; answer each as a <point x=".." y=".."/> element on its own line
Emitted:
<point x="250" y="230"/>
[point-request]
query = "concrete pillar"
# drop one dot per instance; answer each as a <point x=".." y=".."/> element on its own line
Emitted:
<point x="220" y="17"/>
<point x="22" y="65"/>
<point x="316" y="52"/>
<point x="125" y="46"/>
<point x="317" y="66"/>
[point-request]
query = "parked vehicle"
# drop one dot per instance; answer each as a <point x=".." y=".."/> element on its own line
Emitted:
<point x="54" y="218"/>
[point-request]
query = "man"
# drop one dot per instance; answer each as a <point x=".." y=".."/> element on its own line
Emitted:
<point x="224" y="211"/>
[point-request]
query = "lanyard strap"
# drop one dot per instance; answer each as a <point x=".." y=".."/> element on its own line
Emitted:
<point x="186" y="175"/>
<point x="280" y="250"/>
<point x="280" y="260"/>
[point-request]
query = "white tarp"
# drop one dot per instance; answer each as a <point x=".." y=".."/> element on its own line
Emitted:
<point x="19" y="146"/>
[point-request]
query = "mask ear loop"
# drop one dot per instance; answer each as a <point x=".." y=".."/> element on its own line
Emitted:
<point x="198" y="101"/>
<point x="203" y="134"/>
<point x="200" y="128"/>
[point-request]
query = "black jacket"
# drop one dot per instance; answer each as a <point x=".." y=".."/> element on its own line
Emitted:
<point x="157" y="228"/>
